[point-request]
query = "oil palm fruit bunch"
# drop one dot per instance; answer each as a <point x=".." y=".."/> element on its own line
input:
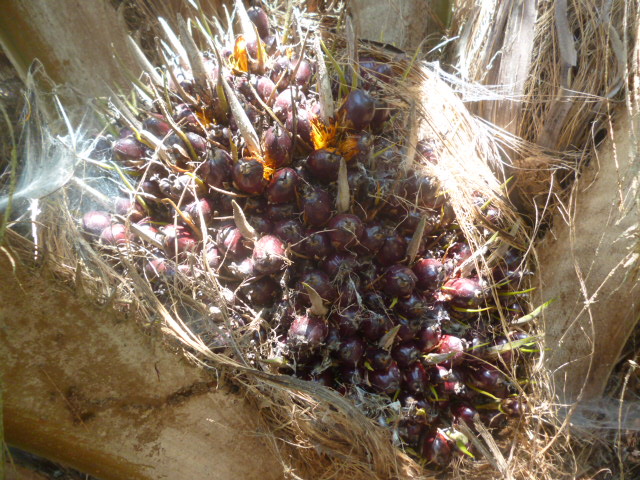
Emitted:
<point x="279" y="179"/>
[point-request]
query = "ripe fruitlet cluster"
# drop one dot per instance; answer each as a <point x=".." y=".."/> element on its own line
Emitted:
<point x="358" y="272"/>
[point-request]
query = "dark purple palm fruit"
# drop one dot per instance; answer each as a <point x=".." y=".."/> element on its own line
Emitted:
<point x="436" y="448"/>
<point x="324" y="165"/>
<point x="463" y="412"/>
<point x="410" y="431"/>
<point x="381" y="116"/>
<point x="129" y="150"/>
<point x="195" y="141"/>
<point x="265" y="87"/>
<point x="307" y="332"/>
<point x="317" y="244"/>
<point x="278" y="147"/>
<point x="280" y="72"/>
<point x="393" y="250"/>
<point x="332" y="342"/>
<point x="513" y="406"/>
<point x="260" y="19"/>
<point x="115" y="234"/>
<point x="423" y="191"/>
<point x="216" y="169"/>
<point x="399" y="281"/>
<point x="358" y="109"/>
<point x="126" y="207"/>
<point x="156" y="125"/>
<point x="415" y="378"/>
<point x="386" y="380"/>
<point x="126" y="132"/>
<point x="254" y="206"/>
<point x="185" y="116"/>
<point x="248" y="176"/>
<point x="316" y="207"/>
<point x="268" y="255"/>
<point x="345" y="230"/>
<point x="406" y="353"/>
<point x="409" y="328"/>
<point x="351" y="376"/>
<point x="489" y="379"/>
<point x="413" y="306"/>
<point x="319" y="281"/>
<point x="95" y="221"/>
<point x="201" y="207"/>
<point x="429" y="337"/>
<point x="300" y="124"/>
<point x="291" y="232"/>
<point x="453" y="347"/>
<point x="157" y="268"/>
<point x="212" y="256"/>
<point x="373" y="238"/>
<point x="449" y="382"/>
<point x="284" y="102"/>
<point x="304" y="72"/>
<point x="458" y="253"/>
<point x="464" y="292"/>
<point x="350" y="351"/>
<point x="230" y="241"/>
<point x="282" y="211"/>
<point x="282" y="187"/>
<point x="338" y="264"/>
<point x="263" y="292"/>
<point x="374" y="325"/>
<point x="378" y="358"/>
<point x="347" y="321"/>
<point x="150" y="187"/>
<point x="430" y="273"/>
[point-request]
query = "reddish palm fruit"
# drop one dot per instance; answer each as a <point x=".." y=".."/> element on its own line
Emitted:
<point x="414" y="306"/>
<point x="115" y="234"/>
<point x="149" y="230"/>
<point x="374" y="325"/>
<point x="96" y="221"/>
<point x="307" y="332"/>
<point x="347" y="321"/>
<point x="415" y="378"/>
<point x="399" y="281"/>
<point x="158" y="267"/>
<point x="213" y="256"/>
<point x="463" y="412"/>
<point x="373" y="238"/>
<point x="260" y="19"/>
<point x="393" y="250"/>
<point x="450" y="344"/>
<point x="358" y="109"/>
<point x="300" y="124"/>
<point x="316" y="207"/>
<point x="278" y="147"/>
<point x="125" y="207"/>
<point x="410" y="431"/>
<point x="429" y="337"/>
<point x="282" y="187"/>
<point x="430" y="273"/>
<point x="284" y="102"/>
<point x="338" y="263"/>
<point x="178" y="243"/>
<point x="350" y="351"/>
<point x="436" y="448"/>
<point x="406" y="353"/>
<point x="282" y="211"/>
<point x="230" y="241"/>
<point x="319" y="281"/>
<point x="268" y="255"/>
<point x="386" y="381"/>
<point x="291" y="232"/>
<point x="248" y="176"/>
<point x="157" y="126"/>
<point x="345" y="230"/>
<point x="216" y="169"/>
<point x="262" y="292"/>
<point x="264" y="87"/>
<point x="324" y="165"/>
<point x="378" y="358"/>
<point x="317" y="244"/>
<point x="201" y="207"/>
<point x="129" y="150"/>
<point x="464" y="292"/>
<point x="303" y="74"/>
<point x="242" y="269"/>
